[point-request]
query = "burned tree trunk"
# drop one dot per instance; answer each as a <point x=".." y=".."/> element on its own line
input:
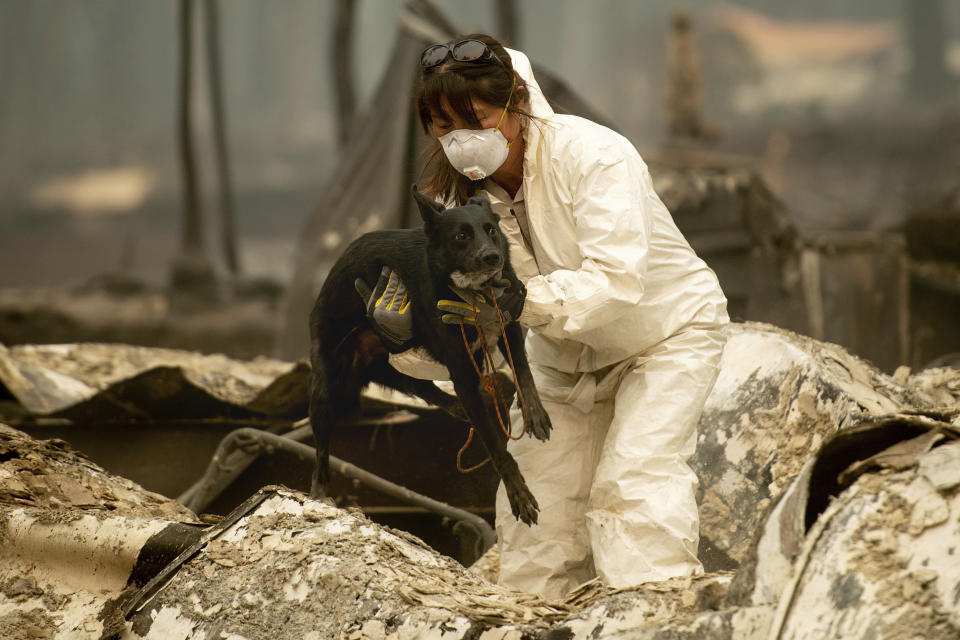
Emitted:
<point x="218" y="112"/>
<point x="191" y="270"/>
<point x="342" y="46"/>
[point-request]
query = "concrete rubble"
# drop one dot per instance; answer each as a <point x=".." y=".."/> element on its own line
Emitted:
<point x="830" y="508"/>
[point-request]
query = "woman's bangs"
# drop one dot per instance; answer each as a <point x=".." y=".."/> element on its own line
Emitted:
<point x="443" y="91"/>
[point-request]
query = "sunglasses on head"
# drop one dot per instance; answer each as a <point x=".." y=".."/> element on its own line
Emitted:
<point x="462" y="51"/>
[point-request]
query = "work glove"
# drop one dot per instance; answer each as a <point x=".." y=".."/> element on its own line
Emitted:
<point x="388" y="309"/>
<point x="474" y="308"/>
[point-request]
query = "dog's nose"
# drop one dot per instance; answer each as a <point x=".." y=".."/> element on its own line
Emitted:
<point x="492" y="259"/>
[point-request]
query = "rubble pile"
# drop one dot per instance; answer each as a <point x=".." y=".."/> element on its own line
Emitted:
<point x="49" y="476"/>
<point x="71" y="536"/>
<point x="829" y="501"/>
<point x="940" y="385"/>
<point x="266" y="572"/>
<point x="880" y="564"/>
<point x="868" y="551"/>
<point x="93" y="380"/>
<point x="778" y="396"/>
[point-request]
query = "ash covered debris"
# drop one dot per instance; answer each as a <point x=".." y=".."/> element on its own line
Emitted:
<point x="289" y="565"/>
<point x="72" y="537"/>
<point x="49" y="475"/>
<point x="874" y="553"/>
<point x="266" y="572"/>
<point x="778" y="397"/>
<point x="93" y="381"/>
<point x="787" y="414"/>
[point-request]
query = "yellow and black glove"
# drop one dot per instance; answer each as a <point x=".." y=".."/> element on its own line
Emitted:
<point x="388" y="309"/>
<point x="474" y="308"/>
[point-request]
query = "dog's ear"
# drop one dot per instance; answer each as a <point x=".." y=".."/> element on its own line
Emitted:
<point x="429" y="208"/>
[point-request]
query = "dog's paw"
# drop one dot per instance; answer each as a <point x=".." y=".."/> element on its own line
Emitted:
<point x="321" y="479"/>
<point x="522" y="503"/>
<point x="538" y="423"/>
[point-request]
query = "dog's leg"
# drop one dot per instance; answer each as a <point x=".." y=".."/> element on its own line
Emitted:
<point x="333" y="401"/>
<point x="522" y="502"/>
<point x="537" y="420"/>
<point x="388" y="376"/>
<point x="322" y="419"/>
<point x="335" y="386"/>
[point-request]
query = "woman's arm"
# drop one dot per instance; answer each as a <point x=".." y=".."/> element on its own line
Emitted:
<point x="610" y="193"/>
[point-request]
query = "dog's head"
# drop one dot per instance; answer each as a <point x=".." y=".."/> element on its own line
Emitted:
<point x="465" y="242"/>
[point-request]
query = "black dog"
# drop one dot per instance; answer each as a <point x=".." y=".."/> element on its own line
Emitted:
<point x="346" y="353"/>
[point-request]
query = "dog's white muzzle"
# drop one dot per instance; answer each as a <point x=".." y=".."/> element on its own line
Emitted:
<point x="474" y="280"/>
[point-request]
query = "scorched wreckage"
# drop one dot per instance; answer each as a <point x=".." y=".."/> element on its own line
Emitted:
<point x="829" y="491"/>
<point x="829" y="500"/>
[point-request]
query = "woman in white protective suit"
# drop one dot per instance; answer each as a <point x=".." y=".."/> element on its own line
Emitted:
<point x="624" y="323"/>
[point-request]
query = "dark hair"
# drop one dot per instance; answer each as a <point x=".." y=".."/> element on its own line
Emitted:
<point x="457" y="83"/>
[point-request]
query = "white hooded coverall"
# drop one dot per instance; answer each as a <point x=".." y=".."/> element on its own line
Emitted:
<point x="624" y="344"/>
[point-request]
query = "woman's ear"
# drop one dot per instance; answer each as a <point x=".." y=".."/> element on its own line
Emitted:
<point x="523" y="99"/>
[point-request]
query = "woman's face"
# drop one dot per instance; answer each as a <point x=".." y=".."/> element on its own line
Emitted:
<point x="445" y="121"/>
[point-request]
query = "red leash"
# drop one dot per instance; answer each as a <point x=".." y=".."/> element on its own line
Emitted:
<point x="490" y="383"/>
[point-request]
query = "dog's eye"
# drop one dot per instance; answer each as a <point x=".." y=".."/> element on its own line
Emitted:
<point x="460" y="237"/>
<point x="492" y="232"/>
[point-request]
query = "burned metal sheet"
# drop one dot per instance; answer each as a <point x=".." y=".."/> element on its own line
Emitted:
<point x="876" y="444"/>
<point x="778" y="396"/>
<point x="881" y="562"/>
<point x="60" y="571"/>
<point x="73" y="537"/>
<point x="114" y="381"/>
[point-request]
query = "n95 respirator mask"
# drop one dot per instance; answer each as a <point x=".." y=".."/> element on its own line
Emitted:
<point x="476" y="153"/>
